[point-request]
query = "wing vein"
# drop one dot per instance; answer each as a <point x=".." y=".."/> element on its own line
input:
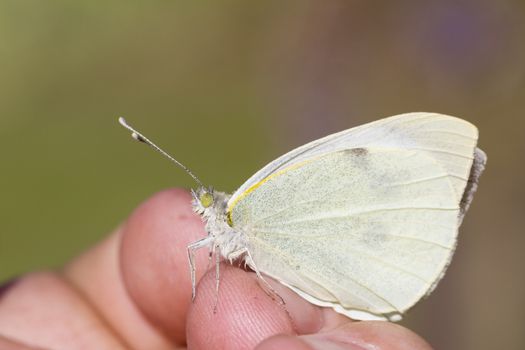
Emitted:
<point x="334" y="215"/>
<point x="413" y="182"/>
<point x="285" y="234"/>
<point x="444" y="152"/>
<point x="451" y="133"/>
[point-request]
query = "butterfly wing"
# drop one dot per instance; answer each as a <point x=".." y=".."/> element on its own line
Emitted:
<point x="449" y="140"/>
<point x="362" y="230"/>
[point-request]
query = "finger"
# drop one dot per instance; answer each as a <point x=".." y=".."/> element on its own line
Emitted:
<point x="245" y="314"/>
<point x="42" y="310"/>
<point x="9" y="344"/>
<point x="154" y="262"/>
<point x="143" y="272"/>
<point x="377" y="335"/>
<point x="96" y="275"/>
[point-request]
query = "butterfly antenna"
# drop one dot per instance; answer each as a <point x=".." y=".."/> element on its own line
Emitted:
<point x="139" y="137"/>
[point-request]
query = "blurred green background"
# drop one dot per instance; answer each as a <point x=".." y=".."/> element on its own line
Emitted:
<point x="228" y="86"/>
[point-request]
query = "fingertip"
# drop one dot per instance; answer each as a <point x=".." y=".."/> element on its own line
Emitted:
<point x="378" y="335"/>
<point x="153" y="258"/>
<point x="283" y="341"/>
<point x="244" y="317"/>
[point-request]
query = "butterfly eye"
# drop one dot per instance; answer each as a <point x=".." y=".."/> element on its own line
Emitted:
<point x="206" y="199"/>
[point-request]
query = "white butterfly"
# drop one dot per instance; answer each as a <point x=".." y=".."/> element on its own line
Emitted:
<point x="364" y="221"/>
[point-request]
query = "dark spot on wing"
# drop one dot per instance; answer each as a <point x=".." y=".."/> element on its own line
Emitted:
<point x="359" y="156"/>
<point x="359" y="152"/>
<point x="478" y="165"/>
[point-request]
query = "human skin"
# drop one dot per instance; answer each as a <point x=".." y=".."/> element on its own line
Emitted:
<point x="133" y="291"/>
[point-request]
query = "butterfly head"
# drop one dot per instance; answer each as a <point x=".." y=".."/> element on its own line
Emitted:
<point x="210" y="203"/>
<point x="206" y="198"/>
<point x="203" y="199"/>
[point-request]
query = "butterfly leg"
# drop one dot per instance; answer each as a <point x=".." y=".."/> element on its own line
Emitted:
<point x="212" y="251"/>
<point x="192" y="247"/>
<point x="217" y="277"/>
<point x="248" y="260"/>
<point x="236" y="254"/>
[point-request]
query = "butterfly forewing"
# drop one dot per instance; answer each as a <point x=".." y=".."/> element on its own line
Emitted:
<point x="450" y="140"/>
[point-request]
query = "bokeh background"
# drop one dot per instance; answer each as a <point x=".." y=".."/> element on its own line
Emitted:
<point x="228" y="86"/>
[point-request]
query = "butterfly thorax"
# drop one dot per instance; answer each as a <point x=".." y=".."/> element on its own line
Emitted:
<point x="212" y="207"/>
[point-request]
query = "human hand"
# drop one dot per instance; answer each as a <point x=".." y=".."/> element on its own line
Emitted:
<point x="133" y="290"/>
